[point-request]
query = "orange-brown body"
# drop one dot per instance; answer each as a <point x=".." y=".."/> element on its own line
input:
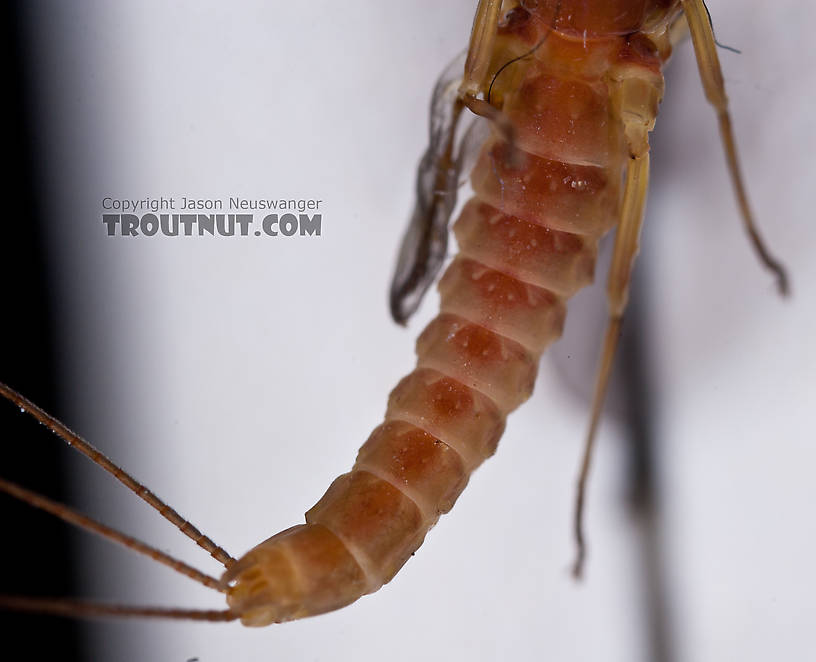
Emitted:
<point x="528" y="241"/>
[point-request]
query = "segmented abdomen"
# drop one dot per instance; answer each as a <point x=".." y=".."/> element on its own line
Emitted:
<point x="527" y="242"/>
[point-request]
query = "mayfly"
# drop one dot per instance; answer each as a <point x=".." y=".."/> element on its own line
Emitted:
<point x="570" y="96"/>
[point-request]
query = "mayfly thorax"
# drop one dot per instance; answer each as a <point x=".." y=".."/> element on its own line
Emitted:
<point x="566" y="93"/>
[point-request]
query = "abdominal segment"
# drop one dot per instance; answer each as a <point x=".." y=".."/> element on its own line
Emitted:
<point x="527" y="242"/>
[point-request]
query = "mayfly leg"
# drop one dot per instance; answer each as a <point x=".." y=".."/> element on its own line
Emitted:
<point x="620" y="272"/>
<point x="482" y="38"/>
<point x="708" y="63"/>
<point x="424" y="245"/>
<point x="474" y="81"/>
<point x="699" y="25"/>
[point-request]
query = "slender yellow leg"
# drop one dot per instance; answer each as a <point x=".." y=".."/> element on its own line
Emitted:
<point x="474" y="81"/>
<point x="424" y="244"/>
<point x="480" y="50"/>
<point x="623" y="258"/>
<point x="705" y="50"/>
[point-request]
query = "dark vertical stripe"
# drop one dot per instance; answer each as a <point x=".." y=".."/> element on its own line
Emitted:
<point x="35" y="547"/>
<point x="644" y="453"/>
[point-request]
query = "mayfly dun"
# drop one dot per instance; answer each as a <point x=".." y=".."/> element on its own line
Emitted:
<point x="528" y="33"/>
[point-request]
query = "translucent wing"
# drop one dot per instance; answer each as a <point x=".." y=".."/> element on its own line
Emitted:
<point x="425" y="242"/>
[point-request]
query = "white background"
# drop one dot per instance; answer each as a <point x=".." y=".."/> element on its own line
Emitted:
<point x="237" y="377"/>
